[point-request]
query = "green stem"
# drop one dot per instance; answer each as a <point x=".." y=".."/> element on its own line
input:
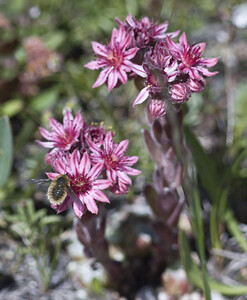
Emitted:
<point x="193" y="199"/>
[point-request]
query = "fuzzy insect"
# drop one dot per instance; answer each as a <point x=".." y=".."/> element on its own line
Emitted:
<point x="58" y="190"/>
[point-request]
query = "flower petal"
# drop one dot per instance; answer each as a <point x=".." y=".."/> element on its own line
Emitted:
<point x="59" y="166"/>
<point x="95" y="171"/>
<point x="91" y="204"/>
<point x="173" y="34"/>
<point x="99" y="196"/>
<point x="68" y="120"/>
<point x="206" y="72"/>
<point x="121" y="148"/>
<point x="101" y="183"/>
<point x="112" y="79"/>
<point x="123" y="177"/>
<point x="209" y="62"/>
<point x="93" y="65"/>
<point x="52" y="175"/>
<point x="130" y="160"/>
<point x="79" y="208"/>
<point x="85" y="164"/>
<point x="183" y="40"/>
<point x="45" y="133"/>
<point x="201" y="46"/>
<point x="74" y="162"/>
<point x="111" y="175"/>
<point x="93" y="147"/>
<point x="122" y="75"/>
<point x="78" y="122"/>
<point x="63" y="206"/>
<point x="102" y="77"/>
<point x="142" y="96"/>
<point x="131" y="171"/>
<point x="129" y="54"/>
<point x="46" y="144"/>
<point x="56" y="127"/>
<point x="108" y="144"/>
<point x="123" y="188"/>
<point x="100" y="49"/>
<point x="135" y="68"/>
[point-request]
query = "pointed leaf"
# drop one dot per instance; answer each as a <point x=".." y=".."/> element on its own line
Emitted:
<point x="204" y="165"/>
<point x="6" y="150"/>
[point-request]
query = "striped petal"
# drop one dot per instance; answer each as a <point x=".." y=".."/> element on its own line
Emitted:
<point x="45" y="133"/>
<point x="102" y="77"/>
<point x="112" y="79"/>
<point x="46" y="144"/>
<point x="79" y="208"/>
<point x="95" y="171"/>
<point x="91" y="204"/>
<point x="99" y="196"/>
<point x="142" y="96"/>
<point x="131" y="171"/>
<point x="93" y="65"/>
<point x="52" y="175"/>
<point x="85" y="164"/>
<point x="123" y="177"/>
<point x="65" y="205"/>
<point x="136" y="68"/>
<point x="100" y="49"/>
<point x="101" y="184"/>
<point x="121" y="148"/>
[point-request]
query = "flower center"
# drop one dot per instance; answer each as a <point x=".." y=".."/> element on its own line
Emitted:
<point x="80" y="184"/>
<point x="65" y="140"/>
<point x="115" y="57"/>
<point x="191" y="56"/>
<point x="111" y="161"/>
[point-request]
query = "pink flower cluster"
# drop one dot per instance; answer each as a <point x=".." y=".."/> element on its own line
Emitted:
<point x="172" y="71"/>
<point x="85" y="153"/>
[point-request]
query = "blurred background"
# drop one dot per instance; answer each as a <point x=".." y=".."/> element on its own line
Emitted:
<point x="43" y="48"/>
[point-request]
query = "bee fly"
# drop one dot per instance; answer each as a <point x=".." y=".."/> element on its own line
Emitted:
<point x="58" y="189"/>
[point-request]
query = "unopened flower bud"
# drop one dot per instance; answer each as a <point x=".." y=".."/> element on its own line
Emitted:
<point x="158" y="108"/>
<point x="196" y="86"/>
<point x="179" y="93"/>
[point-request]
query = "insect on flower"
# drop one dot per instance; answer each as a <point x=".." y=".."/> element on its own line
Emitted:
<point x="59" y="189"/>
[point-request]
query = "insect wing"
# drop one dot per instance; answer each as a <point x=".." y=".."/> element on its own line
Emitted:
<point x="72" y="194"/>
<point x="39" y="181"/>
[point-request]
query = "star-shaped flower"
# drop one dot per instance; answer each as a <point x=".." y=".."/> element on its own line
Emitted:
<point x="116" y="164"/>
<point x="190" y="58"/>
<point x="115" y="60"/>
<point x="63" y="137"/>
<point x="83" y="182"/>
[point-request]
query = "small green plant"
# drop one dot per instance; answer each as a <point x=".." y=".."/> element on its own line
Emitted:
<point x="39" y="234"/>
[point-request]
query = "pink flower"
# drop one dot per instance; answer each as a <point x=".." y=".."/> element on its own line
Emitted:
<point x="83" y="182"/>
<point x="63" y="137"/>
<point x="115" y="59"/>
<point x="145" y="31"/>
<point x="190" y="58"/>
<point x="158" y="108"/>
<point x="116" y="164"/>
